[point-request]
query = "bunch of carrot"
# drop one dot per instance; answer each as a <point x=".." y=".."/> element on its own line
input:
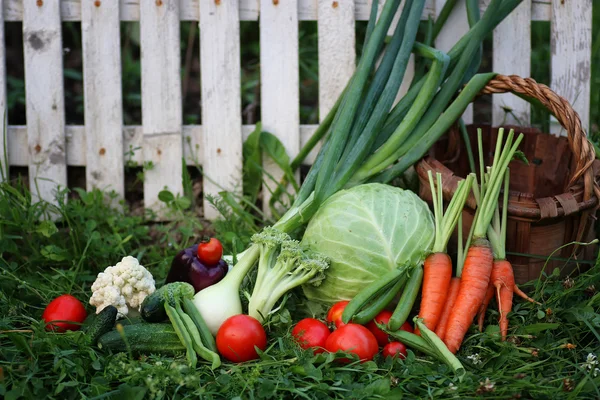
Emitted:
<point x="449" y="305"/>
<point x="438" y="265"/>
<point x="502" y="279"/>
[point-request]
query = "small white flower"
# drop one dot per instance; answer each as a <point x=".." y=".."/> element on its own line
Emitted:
<point x="475" y="358"/>
<point x="590" y="364"/>
<point x="591" y="359"/>
<point x="452" y="386"/>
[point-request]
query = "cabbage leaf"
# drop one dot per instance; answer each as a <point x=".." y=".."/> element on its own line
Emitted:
<point x="367" y="231"/>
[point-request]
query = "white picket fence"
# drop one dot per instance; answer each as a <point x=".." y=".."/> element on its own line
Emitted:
<point x="47" y="146"/>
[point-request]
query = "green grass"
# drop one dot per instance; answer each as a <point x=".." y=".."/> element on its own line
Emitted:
<point x="40" y="260"/>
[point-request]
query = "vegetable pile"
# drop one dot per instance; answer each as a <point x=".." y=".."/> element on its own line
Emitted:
<point x="364" y="265"/>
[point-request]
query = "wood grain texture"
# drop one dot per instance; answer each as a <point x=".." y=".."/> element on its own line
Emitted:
<point x="161" y="99"/>
<point x="44" y="90"/>
<point x="337" y="55"/>
<point x="221" y="99"/>
<point x="102" y="96"/>
<point x="280" y="103"/>
<point x="512" y="51"/>
<point x="249" y="10"/>
<point x="133" y="138"/>
<point x="571" y="43"/>
<point x="4" y="160"/>
<point x="454" y="28"/>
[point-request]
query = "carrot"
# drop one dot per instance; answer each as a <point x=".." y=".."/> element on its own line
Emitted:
<point x="473" y="286"/>
<point x="479" y="260"/>
<point x="438" y="265"/>
<point x="440" y="330"/>
<point x="502" y="278"/>
<point x="436" y="282"/>
<point x="504" y="282"/>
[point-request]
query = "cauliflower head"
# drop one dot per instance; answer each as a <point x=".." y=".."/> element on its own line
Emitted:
<point x="125" y="284"/>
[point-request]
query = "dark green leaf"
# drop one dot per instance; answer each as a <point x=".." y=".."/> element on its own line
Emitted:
<point x="21" y="343"/>
<point x="132" y="392"/>
<point x="273" y="147"/>
<point x="537" y="328"/>
<point x="54" y="253"/>
<point x="166" y="196"/>
<point x="252" y="169"/>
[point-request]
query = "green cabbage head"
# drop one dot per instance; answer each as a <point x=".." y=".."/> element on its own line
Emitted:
<point x="367" y="231"/>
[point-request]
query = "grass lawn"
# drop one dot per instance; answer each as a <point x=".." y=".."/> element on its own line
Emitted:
<point x="551" y="351"/>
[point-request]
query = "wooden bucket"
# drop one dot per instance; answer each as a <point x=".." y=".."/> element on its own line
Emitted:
<point x="552" y="201"/>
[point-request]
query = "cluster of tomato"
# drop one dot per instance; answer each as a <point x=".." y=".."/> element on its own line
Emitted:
<point x="364" y="341"/>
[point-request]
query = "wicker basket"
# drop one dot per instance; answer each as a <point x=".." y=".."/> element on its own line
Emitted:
<point x="552" y="201"/>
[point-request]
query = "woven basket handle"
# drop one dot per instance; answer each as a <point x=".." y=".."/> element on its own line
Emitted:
<point x="579" y="144"/>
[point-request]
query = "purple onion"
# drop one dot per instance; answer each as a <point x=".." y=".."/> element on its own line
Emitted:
<point x="186" y="267"/>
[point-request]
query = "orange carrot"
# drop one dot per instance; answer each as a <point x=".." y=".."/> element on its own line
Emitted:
<point x="473" y="286"/>
<point x="480" y="258"/>
<point x="450" y="300"/>
<point x="486" y="302"/>
<point x="438" y="265"/>
<point x="436" y="282"/>
<point x="503" y="279"/>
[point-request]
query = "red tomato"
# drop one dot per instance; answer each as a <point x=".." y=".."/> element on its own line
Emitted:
<point x="334" y="316"/>
<point x="353" y="338"/>
<point x="64" y="308"/>
<point x="393" y="349"/>
<point x="311" y="333"/>
<point x="407" y="327"/>
<point x="383" y="318"/>
<point x="237" y="337"/>
<point x="210" y="252"/>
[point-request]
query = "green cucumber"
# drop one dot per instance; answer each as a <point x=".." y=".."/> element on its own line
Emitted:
<point x="143" y="338"/>
<point x="102" y="323"/>
<point x="153" y="306"/>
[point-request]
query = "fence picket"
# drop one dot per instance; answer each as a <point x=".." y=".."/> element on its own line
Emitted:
<point x="161" y="98"/>
<point x="570" y="44"/>
<point x="44" y="90"/>
<point x="4" y="160"/>
<point x="47" y="146"/>
<point x="337" y="55"/>
<point x="454" y="28"/>
<point x="102" y="96"/>
<point x="280" y="104"/>
<point x="221" y="98"/>
<point x="512" y="51"/>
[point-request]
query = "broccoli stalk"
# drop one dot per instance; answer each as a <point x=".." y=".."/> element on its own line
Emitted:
<point x="283" y="265"/>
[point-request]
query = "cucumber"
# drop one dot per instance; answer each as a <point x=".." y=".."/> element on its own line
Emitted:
<point x="153" y="306"/>
<point x="103" y="323"/>
<point x="143" y="338"/>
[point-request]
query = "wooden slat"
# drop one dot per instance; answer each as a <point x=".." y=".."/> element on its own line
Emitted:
<point x="454" y="28"/>
<point x="161" y="98"/>
<point x="132" y="139"/>
<point x="571" y="43"/>
<point x="280" y="105"/>
<point x="102" y="96"/>
<point x="4" y="161"/>
<point x="249" y="10"/>
<point x="337" y="55"/>
<point x="44" y="92"/>
<point x="221" y="98"/>
<point x="512" y="51"/>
